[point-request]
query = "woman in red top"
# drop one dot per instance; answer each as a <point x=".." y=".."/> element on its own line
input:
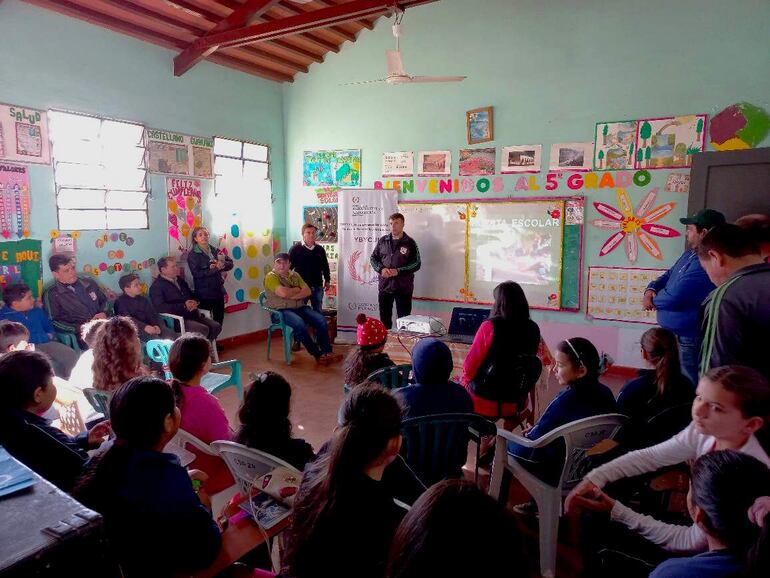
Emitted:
<point x="517" y="335"/>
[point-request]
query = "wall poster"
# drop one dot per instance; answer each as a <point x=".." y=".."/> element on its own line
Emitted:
<point x="24" y="135"/>
<point x="615" y="293"/>
<point x="170" y="153"/>
<point x="15" y="201"/>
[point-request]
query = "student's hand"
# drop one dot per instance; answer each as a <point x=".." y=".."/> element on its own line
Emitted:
<point x="385" y="273"/>
<point x="149" y="329"/>
<point x="584" y="488"/>
<point x="759" y="511"/>
<point x="100" y="315"/>
<point x="199" y="475"/>
<point x="191" y="304"/>
<point x="157" y="329"/>
<point x="97" y="433"/>
<point x="596" y="501"/>
<point x="647" y="300"/>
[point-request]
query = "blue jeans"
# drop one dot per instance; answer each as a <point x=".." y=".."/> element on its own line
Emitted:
<point x="317" y="298"/>
<point x="298" y="319"/>
<point x="689" y="357"/>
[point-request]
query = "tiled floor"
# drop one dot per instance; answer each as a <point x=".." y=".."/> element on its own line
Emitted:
<point x="317" y="394"/>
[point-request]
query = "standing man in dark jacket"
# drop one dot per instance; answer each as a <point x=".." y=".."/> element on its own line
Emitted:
<point x="678" y="293"/>
<point x="309" y="260"/>
<point x="736" y="315"/>
<point x="73" y="300"/>
<point x="396" y="258"/>
<point x="170" y="293"/>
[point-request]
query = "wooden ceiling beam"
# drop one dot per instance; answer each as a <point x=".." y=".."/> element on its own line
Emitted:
<point x="364" y="22"/>
<point x="338" y="30"/>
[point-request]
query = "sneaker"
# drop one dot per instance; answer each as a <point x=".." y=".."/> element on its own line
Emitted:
<point x="526" y="509"/>
<point x="328" y="358"/>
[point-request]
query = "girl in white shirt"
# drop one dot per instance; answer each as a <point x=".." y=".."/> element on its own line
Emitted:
<point x="732" y="403"/>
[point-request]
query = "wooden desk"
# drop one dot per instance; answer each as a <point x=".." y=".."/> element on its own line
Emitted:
<point x="399" y="348"/>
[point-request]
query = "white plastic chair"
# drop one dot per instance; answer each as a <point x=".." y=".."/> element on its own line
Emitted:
<point x="172" y="320"/>
<point x="579" y="437"/>
<point x="247" y="464"/>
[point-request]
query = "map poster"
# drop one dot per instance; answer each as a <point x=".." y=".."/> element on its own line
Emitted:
<point x="170" y="153"/>
<point x="615" y="293"/>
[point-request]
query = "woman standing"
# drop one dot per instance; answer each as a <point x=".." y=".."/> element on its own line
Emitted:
<point x="206" y="264"/>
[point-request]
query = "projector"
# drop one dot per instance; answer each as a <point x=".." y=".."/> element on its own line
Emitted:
<point x="420" y="324"/>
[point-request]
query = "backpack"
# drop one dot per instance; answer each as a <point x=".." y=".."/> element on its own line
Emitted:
<point x="505" y="377"/>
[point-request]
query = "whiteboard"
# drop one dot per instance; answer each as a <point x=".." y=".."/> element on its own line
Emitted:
<point x="440" y="235"/>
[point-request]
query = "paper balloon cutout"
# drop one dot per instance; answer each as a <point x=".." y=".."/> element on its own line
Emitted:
<point x="634" y="227"/>
<point x="190" y="219"/>
<point x="185" y="230"/>
<point x="174" y="232"/>
<point x="190" y="202"/>
<point x="172" y="206"/>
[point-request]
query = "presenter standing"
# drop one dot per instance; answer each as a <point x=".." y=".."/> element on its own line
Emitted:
<point x="396" y="258"/>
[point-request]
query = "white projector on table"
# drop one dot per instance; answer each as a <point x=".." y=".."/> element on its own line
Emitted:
<point x="419" y="324"/>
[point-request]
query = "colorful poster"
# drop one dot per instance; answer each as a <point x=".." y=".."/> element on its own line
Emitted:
<point x="183" y="201"/>
<point x="363" y="219"/>
<point x="170" y="153"/>
<point x="571" y="156"/>
<point x="15" y="201"/>
<point x="521" y="159"/>
<point x="398" y="164"/>
<point x="333" y="257"/>
<point x="21" y="261"/>
<point x="24" y="135"/>
<point x="477" y="162"/>
<point x="614" y="148"/>
<point x="434" y="163"/>
<point x="341" y="168"/>
<point x="669" y="142"/>
<point x="739" y="126"/>
<point x="324" y="218"/>
<point x="678" y="183"/>
<point x="252" y="253"/>
<point x="615" y="293"/>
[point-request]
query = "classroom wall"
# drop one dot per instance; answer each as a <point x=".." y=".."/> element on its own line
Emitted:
<point x="52" y="61"/>
<point x="552" y="70"/>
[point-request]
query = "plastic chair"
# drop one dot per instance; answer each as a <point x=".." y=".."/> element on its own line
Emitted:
<point x="158" y="350"/>
<point x="392" y="377"/>
<point x="247" y="464"/>
<point x="70" y="420"/>
<point x="172" y="321"/>
<point x="277" y="323"/>
<point x="99" y="400"/>
<point x="436" y="446"/>
<point x="579" y="437"/>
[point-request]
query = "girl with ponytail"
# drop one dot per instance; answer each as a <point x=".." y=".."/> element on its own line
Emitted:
<point x="344" y="517"/>
<point x="660" y="387"/>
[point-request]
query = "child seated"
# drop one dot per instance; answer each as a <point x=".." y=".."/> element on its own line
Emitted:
<point x="139" y="308"/>
<point x="367" y="356"/>
<point x="82" y="375"/>
<point x="664" y="387"/>
<point x="157" y="523"/>
<point x="577" y="370"/>
<point x="28" y="392"/>
<point x="14" y="337"/>
<point x="117" y="354"/>
<point x="20" y="307"/>
<point x="265" y="423"/>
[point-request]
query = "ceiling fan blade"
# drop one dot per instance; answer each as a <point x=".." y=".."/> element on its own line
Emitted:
<point x="363" y="82"/>
<point x="395" y="64"/>
<point x="438" y="78"/>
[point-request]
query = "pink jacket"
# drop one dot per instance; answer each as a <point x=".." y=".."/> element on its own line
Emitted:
<point x="203" y="416"/>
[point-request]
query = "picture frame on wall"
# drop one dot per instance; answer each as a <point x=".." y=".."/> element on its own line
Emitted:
<point x="434" y="163"/>
<point x="480" y="125"/>
<point x="521" y="159"/>
<point x="571" y="156"/>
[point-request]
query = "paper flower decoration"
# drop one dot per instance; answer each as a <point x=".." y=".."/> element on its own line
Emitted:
<point x="635" y="227"/>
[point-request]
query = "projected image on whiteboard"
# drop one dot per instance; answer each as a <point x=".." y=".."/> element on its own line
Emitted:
<point x="519" y="242"/>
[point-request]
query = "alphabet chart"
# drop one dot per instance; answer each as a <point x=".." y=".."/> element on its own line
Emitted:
<point x="615" y="293"/>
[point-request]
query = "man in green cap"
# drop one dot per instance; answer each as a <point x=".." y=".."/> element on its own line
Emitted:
<point x="678" y="293"/>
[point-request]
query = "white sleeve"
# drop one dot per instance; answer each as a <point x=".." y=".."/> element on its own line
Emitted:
<point x="682" y="447"/>
<point x="670" y="537"/>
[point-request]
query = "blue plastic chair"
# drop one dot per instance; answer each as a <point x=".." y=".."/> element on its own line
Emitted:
<point x="158" y="350"/>
<point x="99" y="400"/>
<point x="392" y="377"/>
<point x="277" y="323"/>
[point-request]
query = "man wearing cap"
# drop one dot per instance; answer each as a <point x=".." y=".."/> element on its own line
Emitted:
<point x="678" y="293"/>
<point x="286" y="291"/>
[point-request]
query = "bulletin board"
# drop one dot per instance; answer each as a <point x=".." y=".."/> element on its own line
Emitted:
<point x="467" y="248"/>
<point x="615" y="293"/>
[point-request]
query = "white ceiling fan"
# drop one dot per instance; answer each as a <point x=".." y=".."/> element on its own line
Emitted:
<point x="396" y="72"/>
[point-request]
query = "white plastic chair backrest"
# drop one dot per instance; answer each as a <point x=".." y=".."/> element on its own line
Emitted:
<point x="186" y="437"/>
<point x="247" y="464"/>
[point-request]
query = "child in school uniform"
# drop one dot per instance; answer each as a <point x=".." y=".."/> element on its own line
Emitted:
<point x="117" y="354"/>
<point x="27" y="393"/>
<point x="157" y="523"/>
<point x="265" y="424"/>
<point x="368" y="355"/>
<point x="20" y="307"/>
<point x="139" y="308"/>
<point x="577" y="365"/>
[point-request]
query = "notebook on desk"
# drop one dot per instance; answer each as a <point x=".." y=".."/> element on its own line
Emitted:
<point x="14" y="476"/>
<point x="465" y="323"/>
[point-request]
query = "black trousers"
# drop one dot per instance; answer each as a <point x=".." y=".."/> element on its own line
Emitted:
<point x="403" y="306"/>
<point x="216" y="306"/>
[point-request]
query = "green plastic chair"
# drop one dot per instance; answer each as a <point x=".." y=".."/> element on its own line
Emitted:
<point x="158" y="349"/>
<point x="99" y="400"/>
<point x="392" y="377"/>
<point x="66" y="333"/>
<point x="277" y="323"/>
<point x="436" y="446"/>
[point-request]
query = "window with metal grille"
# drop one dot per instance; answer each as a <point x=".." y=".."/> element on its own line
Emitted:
<point x="100" y="172"/>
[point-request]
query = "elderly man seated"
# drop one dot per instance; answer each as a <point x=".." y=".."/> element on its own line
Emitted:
<point x="74" y="300"/>
<point x="285" y="290"/>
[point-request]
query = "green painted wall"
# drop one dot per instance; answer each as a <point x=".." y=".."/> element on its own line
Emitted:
<point x="552" y="70"/>
<point x="52" y="61"/>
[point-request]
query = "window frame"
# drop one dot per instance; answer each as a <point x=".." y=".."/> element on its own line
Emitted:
<point x="242" y="158"/>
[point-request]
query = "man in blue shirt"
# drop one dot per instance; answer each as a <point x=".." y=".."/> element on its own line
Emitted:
<point x="678" y="293"/>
